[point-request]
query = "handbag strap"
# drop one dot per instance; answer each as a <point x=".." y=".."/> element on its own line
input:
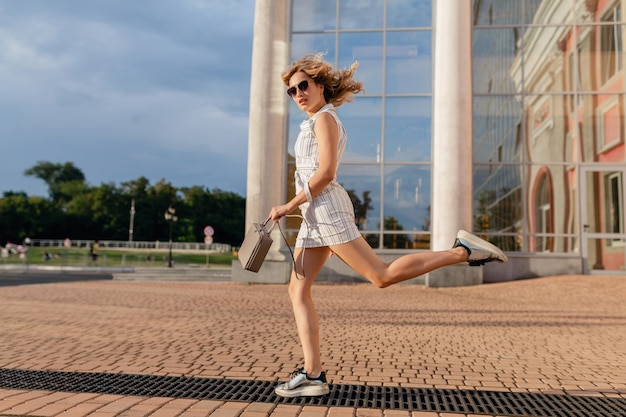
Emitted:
<point x="293" y="258"/>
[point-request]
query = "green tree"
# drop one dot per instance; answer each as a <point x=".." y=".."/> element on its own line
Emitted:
<point x="395" y="241"/>
<point x="79" y="211"/>
<point x="224" y="211"/>
<point x="57" y="176"/>
<point x="22" y="216"/>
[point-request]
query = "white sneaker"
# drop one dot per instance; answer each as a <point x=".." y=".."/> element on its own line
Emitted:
<point x="480" y="251"/>
<point x="300" y="385"/>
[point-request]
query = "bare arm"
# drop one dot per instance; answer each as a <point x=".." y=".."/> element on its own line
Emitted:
<point x="327" y="135"/>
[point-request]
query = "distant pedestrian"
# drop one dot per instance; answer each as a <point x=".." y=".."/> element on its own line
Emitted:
<point x="93" y="250"/>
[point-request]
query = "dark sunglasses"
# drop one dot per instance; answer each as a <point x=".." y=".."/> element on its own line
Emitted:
<point x="303" y="86"/>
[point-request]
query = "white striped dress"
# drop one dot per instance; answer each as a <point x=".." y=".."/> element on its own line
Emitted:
<point x="330" y="215"/>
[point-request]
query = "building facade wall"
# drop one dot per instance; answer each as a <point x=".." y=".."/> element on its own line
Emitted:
<point x="544" y="142"/>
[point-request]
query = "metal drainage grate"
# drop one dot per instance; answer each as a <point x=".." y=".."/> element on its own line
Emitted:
<point x="354" y="396"/>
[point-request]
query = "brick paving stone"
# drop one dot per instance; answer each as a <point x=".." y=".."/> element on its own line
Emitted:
<point x="341" y="412"/>
<point x="313" y="411"/>
<point x="564" y="335"/>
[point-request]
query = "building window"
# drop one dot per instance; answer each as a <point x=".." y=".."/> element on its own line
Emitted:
<point x="575" y="84"/>
<point x="611" y="44"/>
<point x="614" y="205"/>
<point x="543" y="215"/>
<point x="386" y="166"/>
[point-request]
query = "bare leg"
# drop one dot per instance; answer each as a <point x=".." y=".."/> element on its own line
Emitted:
<point x="361" y="257"/>
<point x="303" y="307"/>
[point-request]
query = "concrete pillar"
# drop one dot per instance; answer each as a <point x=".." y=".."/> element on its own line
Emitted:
<point x="452" y="137"/>
<point x="452" y="122"/>
<point x="267" y="132"/>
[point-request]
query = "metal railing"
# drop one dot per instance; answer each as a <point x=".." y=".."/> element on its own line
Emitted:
<point x="121" y="244"/>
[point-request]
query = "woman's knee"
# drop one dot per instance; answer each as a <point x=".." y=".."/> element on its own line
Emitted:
<point x="298" y="290"/>
<point x="379" y="278"/>
<point x="380" y="283"/>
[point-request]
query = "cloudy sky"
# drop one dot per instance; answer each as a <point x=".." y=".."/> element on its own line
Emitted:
<point x="124" y="89"/>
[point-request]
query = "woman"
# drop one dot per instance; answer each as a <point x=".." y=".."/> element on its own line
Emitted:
<point x="329" y="226"/>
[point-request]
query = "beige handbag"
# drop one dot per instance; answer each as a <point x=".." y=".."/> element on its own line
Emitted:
<point x="257" y="243"/>
<point x="255" y="246"/>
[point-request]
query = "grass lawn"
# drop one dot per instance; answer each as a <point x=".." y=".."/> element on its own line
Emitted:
<point x="117" y="257"/>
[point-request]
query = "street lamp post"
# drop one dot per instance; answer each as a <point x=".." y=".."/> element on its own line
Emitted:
<point x="170" y="218"/>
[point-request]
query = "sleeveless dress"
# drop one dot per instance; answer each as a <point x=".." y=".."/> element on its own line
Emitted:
<point x="330" y="215"/>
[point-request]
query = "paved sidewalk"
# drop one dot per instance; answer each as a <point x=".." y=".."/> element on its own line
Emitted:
<point x="564" y="337"/>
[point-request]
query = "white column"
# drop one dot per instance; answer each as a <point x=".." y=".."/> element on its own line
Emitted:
<point x="452" y="122"/>
<point x="266" y="136"/>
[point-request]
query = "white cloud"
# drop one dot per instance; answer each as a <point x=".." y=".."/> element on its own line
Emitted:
<point x="123" y="90"/>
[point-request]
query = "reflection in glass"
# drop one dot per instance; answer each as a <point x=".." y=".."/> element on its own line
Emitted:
<point x="296" y="116"/>
<point x="499" y="12"/>
<point x="362" y="182"/>
<point x="309" y="15"/>
<point x="614" y="202"/>
<point x="305" y="43"/>
<point x="606" y="254"/>
<point x="605" y="204"/>
<point x="360" y="14"/>
<point x="594" y="132"/>
<point x="498" y="131"/>
<point x="409" y="13"/>
<point x="493" y="54"/>
<point x="409" y="62"/>
<point x="612" y="44"/>
<point x="407" y="197"/>
<point x="361" y="119"/>
<point x="546" y="134"/>
<point x="498" y="202"/>
<point x="408" y="123"/>
<point x="367" y="48"/>
<point x="551" y="200"/>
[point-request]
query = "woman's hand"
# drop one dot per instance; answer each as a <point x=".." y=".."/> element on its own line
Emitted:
<point x="277" y="212"/>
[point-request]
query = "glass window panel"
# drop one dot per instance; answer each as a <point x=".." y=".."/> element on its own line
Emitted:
<point x="367" y="49"/>
<point x="498" y="12"/>
<point x="551" y="201"/>
<point x="555" y="61"/>
<point x="606" y="254"/>
<point x="409" y="62"/>
<point x="594" y="131"/>
<point x="361" y="14"/>
<point x="614" y="201"/>
<point x="498" y="199"/>
<point x="495" y="61"/>
<point x="363" y="122"/>
<point x="498" y="131"/>
<point x="408" y="132"/>
<point x="549" y="132"/>
<point x="409" y="13"/>
<point x="362" y="182"/>
<point x="606" y="113"/>
<point x="310" y="15"/>
<point x="302" y="44"/>
<point x="296" y="116"/>
<point x="531" y="10"/>
<point x="611" y="53"/>
<point x="373" y="239"/>
<point x="407" y="198"/>
<point x="605" y="202"/>
<point x="403" y="240"/>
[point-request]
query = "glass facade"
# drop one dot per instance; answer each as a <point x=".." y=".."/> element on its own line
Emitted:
<point x="387" y="164"/>
<point x="549" y="95"/>
<point x="549" y="98"/>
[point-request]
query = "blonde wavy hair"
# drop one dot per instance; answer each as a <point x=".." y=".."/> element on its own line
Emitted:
<point x="339" y="85"/>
